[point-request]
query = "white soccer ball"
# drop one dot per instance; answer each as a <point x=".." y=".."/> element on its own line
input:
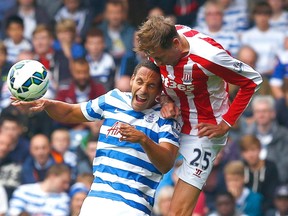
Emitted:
<point x="28" y="80"/>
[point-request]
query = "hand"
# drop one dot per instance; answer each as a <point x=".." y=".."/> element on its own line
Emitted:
<point x="29" y="107"/>
<point x="211" y="130"/>
<point x="170" y="110"/>
<point x="130" y="133"/>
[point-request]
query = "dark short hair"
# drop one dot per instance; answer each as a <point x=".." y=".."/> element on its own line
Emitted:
<point x="14" y="19"/>
<point x="148" y="64"/>
<point x="262" y="7"/>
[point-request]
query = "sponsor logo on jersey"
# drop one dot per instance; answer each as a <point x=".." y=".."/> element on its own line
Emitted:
<point x="114" y="130"/>
<point x="238" y="66"/>
<point x="198" y="172"/>
<point x="171" y="84"/>
<point x="151" y="118"/>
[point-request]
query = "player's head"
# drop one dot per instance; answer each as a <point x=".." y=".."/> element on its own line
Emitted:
<point x="145" y="85"/>
<point x="158" y="38"/>
<point x="15" y="28"/>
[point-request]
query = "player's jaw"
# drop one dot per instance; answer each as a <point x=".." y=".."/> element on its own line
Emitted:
<point x="141" y="101"/>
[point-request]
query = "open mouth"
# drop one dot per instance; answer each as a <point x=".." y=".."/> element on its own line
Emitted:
<point x="141" y="99"/>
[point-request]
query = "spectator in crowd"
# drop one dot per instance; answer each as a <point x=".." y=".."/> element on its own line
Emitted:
<point x="9" y="170"/>
<point x="4" y="201"/>
<point x="78" y="192"/>
<point x="60" y="149"/>
<point x="11" y="123"/>
<point x="118" y="33"/>
<point x="5" y="6"/>
<point x="279" y="17"/>
<point x="226" y="206"/>
<point x="127" y="65"/>
<point x="125" y="151"/>
<point x="4" y="67"/>
<point x="47" y="197"/>
<point x="80" y="88"/>
<point x="77" y="196"/>
<point x="32" y="15"/>
<point x="35" y="166"/>
<point x="72" y="9"/>
<point x="260" y="176"/>
<point x="271" y="40"/>
<point x="85" y="154"/>
<point x="213" y="14"/>
<point x="102" y="65"/>
<point x="15" y="41"/>
<point x="184" y="12"/>
<point x="163" y="200"/>
<point x="66" y="48"/>
<point x="247" y="201"/>
<point x="278" y="84"/>
<point x="272" y="136"/>
<point x="235" y="18"/>
<point x="215" y="183"/>
<point x="280" y="202"/>
<point x="51" y="9"/>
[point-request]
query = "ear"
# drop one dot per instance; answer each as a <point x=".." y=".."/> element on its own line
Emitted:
<point x="131" y="80"/>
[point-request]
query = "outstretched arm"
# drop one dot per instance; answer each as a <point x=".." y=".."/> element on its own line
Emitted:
<point x="57" y="110"/>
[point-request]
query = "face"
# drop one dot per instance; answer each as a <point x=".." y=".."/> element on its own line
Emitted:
<point x="91" y="150"/>
<point x="5" y="145"/>
<point x="281" y="204"/>
<point x="262" y="20"/>
<point x="145" y="87"/>
<point x="81" y="75"/>
<point x="251" y="155"/>
<point x="60" y="141"/>
<point x="40" y="149"/>
<point x="26" y="2"/>
<point x="12" y="129"/>
<point x="72" y="5"/>
<point x="276" y="5"/>
<point x="95" y="45"/>
<point x="263" y="114"/>
<point x="3" y="57"/>
<point x="213" y="17"/>
<point x="164" y="205"/>
<point x="60" y="183"/>
<point x="234" y="183"/>
<point x="247" y="56"/>
<point x="115" y="15"/>
<point x="169" y="56"/>
<point x="42" y="42"/>
<point x="15" y="32"/>
<point x="225" y="206"/>
<point x="76" y="202"/>
<point x="65" y="36"/>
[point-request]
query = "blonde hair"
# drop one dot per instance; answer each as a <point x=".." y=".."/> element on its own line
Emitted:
<point x="66" y="25"/>
<point x="235" y="167"/>
<point x="42" y="28"/>
<point x="156" y="32"/>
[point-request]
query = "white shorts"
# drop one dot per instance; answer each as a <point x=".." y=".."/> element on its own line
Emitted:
<point x="93" y="206"/>
<point x="198" y="157"/>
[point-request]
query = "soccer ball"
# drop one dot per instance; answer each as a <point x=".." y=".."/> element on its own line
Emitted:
<point x="28" y="80"/>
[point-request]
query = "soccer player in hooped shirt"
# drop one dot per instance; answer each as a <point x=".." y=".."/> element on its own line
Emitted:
<point x="195" y="71"/>
<point x="136" y="144"/>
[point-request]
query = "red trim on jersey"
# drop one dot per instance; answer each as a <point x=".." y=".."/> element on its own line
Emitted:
<point x="212" y="42"/>
<point x="242" y="98"/>
<point x="190" y="33"/>
<point x="202" y="99"/>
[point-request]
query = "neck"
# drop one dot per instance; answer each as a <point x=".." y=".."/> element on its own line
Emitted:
<point x="257" y="166"/>
<point x="185" y="47"/>
<point x="45" y="186"/>
<point x="264" y="129"/>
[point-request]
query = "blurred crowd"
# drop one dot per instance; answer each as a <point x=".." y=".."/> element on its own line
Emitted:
<point x="87" y="47"/>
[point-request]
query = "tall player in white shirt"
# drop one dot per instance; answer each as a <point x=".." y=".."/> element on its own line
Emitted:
<point x="195" y="71"/>
<point x="136" y="144"/>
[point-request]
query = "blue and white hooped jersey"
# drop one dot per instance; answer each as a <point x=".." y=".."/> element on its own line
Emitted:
<point x="122" y="170"/>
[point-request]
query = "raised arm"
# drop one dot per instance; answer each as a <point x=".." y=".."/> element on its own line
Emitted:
<point x="57" y="110"/>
